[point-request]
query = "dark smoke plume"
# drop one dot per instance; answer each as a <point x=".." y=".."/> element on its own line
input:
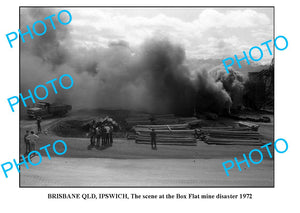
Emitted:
<point x="154" y="77"/>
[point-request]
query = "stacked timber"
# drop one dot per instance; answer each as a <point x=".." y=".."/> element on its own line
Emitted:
<point x="131" y="136"/>
<point x="186" y="119"/>
<point x="138" y="119"/>
<point x="137" y="122"/>
<point x="227" y="128"/>
<point x="164" y="116"/>
<point x="195" y="123"/>
<point x="166" y="135"/>
<point x="141" y="128"/>
<point x="253" y="118"/>
<point x="165" y="119"/>
<point x="254" y="127"/>
<point x="147" y="119"/>
<point x="162" y="119"/>
<point x="231" y="136"/>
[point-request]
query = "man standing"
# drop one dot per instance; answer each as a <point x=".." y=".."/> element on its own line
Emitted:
<point x="38" y="122"/>
<point x="107" y="129"/>
<point x="153" y="139"/>
<point x="111" y="134"/>
<point x="98" y="136"/>
<point x="103" y="135"/>
<point x="27" y="143"/>
<point x="33" y="139"/>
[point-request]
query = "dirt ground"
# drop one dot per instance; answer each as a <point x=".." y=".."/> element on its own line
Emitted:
<point x="129" y="164"/>
<point x="106" y="172"/>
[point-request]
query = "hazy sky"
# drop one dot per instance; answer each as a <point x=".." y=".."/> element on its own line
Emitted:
<point x="205" y="33"/>
<point x="135" y="58"/>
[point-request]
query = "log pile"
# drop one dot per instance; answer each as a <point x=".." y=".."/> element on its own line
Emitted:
<point x="186" y="119"/>
<point x="254" y="127"/>
<point x="139" y="120"/>
<point x="176" y="134"/>
<point x="177" y="131"/>
<point x="170" y="127"/>
<point x="164" y="116"/>
<point x="147" y="119"/>
<point x="231" y="136"/>
<point x="195" y="123"/>
<point x="165" y="119"/>
<point x="253" y="118"/>
<point x="131" y="136"/>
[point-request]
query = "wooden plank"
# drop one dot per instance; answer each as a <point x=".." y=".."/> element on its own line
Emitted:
<point x="245" y="144"/>
<point x="167" y="139"/>
<point x="168" y="131"/>
<point x="175" y="144"/>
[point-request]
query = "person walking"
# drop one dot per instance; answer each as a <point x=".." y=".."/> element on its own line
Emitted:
<point x="33" y="139"/>
<point x="38" y="122"/>
<point x="153" y="139"/>
<point x="27" y="143"/>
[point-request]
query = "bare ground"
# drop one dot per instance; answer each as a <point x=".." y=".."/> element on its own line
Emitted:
<point x="97" y="172"/>
<point x="129" y="164"/>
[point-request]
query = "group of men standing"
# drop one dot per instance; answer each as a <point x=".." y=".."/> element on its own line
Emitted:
<point x="100" y="131"/>
<point x="30" y="141"/>
<point x="31" y="138"/>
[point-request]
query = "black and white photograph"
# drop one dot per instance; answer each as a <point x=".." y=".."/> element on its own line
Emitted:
<point x="146" y="96"/>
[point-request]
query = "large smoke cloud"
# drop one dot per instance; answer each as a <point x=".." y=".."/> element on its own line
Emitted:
<point x="154" y="77"/>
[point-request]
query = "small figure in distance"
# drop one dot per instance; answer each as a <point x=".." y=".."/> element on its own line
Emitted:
<point x="153" y="139"/>
<point x="38" y="122"/>
<point x="27" y="143"/>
